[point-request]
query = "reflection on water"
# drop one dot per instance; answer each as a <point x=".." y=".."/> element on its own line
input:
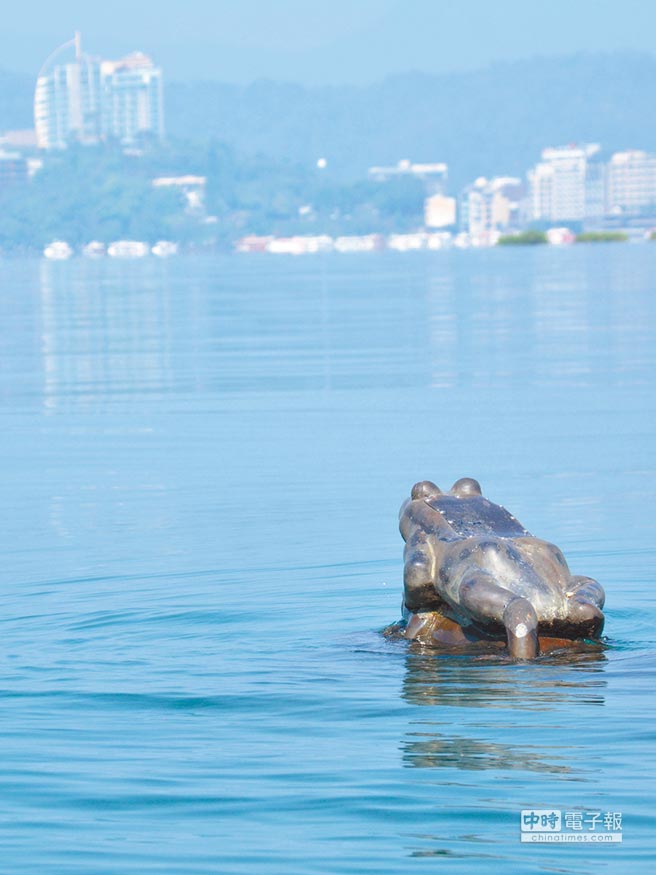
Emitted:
<point x="453" y="320"/>
<point x="489" y="682"/>
<point x="104" y="334"/>
<point x="433" y="750"/>
<point x="493" y="687"/>
<point x="121" y="329"/>
<point x="564" y="318"/>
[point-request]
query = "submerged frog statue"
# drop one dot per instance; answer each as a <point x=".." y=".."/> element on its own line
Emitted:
<point x="472" y="572"/>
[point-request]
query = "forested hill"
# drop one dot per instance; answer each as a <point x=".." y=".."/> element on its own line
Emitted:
<point x="494" y="121"/>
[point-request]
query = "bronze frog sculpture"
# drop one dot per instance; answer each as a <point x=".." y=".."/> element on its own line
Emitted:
<point x="472" y="572"/>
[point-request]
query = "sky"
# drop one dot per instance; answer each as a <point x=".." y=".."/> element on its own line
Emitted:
<point x="337" y="42"/>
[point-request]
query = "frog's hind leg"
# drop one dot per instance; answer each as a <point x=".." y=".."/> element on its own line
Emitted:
<point x="585" y="599"/>
<point x="586" y="589"/>
<point x="485" y="601"/>
<point x="418" y="575"/>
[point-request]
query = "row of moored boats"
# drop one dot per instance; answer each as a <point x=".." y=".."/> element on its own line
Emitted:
<point x="59" y="250"/>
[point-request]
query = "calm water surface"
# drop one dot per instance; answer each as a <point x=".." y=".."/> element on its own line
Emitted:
<point x="203" y="464"/>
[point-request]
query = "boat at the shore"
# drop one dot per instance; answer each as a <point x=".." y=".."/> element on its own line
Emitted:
<point x="164" y="248"/>
<point x="58" y="250"/>
<point x="95" y="249"/>
<point x="128" y="249"/>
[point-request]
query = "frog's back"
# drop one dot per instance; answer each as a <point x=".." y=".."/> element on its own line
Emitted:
<point x="475" y="516"/>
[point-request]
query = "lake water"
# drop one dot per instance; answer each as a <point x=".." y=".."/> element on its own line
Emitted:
<point x="203" y="464"/>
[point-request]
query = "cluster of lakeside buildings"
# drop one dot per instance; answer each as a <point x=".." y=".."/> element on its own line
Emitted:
<point x="572" y="189"/>
<point x="85" y="99"/>
<point x="571" y="186"/>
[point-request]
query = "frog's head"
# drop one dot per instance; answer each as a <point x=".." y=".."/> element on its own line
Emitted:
<point x="466" y="487"/>
<point x="425" y="490"/>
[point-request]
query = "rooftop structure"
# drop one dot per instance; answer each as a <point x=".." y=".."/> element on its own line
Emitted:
<point x="192" y="187"/>
<point x="180" y="181"/>
<point x="434" y="175"/>
<point x="19" y="139"/>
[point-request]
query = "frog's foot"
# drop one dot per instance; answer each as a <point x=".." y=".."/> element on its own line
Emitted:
<point x="521" y="624"/>
<point x="434" y="629"/>
<point x="488" y="603"/>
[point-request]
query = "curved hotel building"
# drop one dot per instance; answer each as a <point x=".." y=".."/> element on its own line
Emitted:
<point x="83" y="99"/>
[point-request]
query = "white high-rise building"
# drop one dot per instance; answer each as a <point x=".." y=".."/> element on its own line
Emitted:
<point x="67" y="100"/>
<point x="85" y="100"/>
<point x="630" y="182"/>
<point x="489" y="205"/>
<point x="567" y="185"/>
<point x="132" y="98"/>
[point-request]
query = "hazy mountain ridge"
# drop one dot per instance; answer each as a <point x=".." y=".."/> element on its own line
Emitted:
<point x="493" y="121"/>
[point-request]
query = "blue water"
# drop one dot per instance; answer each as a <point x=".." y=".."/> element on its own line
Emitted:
<point x="203" y="464"/>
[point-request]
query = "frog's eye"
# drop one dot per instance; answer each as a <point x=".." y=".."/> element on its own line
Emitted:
<point x="465" y="487"/>
<point x="425" y="489"/>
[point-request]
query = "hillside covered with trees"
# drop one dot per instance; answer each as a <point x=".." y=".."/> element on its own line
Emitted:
<point x="490" y="122"/>
<point x="99" y="193"/>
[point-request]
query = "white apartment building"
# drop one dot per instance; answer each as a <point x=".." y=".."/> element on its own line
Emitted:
<point x="85" y="100"/>
<point x="132" y="98"/>
<point x="567" y="185"/>
<point x="439" y="211"/>
<point x="489" y="205"/>
<point x="630" y="182"/>
<point x="67" y="99"/>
